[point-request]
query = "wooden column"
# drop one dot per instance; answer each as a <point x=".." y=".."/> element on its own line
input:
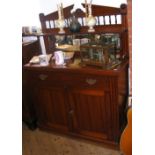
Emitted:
<point x="129" y="15"/>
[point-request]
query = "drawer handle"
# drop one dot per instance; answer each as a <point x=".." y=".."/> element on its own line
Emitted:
<point x="71" y="112"/>
<point x="91" y="81"/>
<point x="42" y="76"/>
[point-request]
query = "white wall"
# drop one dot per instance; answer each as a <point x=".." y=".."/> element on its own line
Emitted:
<point x="32" y="8"/>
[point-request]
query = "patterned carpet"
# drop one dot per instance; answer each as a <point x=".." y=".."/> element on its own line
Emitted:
<point x="42" y="143"/>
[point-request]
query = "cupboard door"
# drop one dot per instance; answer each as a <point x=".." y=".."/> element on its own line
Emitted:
<point x="51" y="108"/>
<point x="89" y="112"/>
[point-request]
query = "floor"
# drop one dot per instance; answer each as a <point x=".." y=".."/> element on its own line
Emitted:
<point x="43" y="143"/>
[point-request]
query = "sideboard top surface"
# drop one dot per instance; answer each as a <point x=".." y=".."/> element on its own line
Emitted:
<point x="78" y="69"/>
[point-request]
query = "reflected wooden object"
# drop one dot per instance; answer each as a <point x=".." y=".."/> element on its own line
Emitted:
<point x="29" y="49"/>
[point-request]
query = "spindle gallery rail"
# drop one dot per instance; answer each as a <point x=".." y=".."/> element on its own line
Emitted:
<point x="100" y="20"/>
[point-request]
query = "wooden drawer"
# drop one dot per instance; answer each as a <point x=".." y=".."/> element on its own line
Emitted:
<point x="68" y="79"/>
<point x="44" y="78"/>
<point x="89" y="81"/>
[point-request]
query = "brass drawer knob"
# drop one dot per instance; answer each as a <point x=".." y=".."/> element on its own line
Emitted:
<point x="42" y="77"/>
<point x="71" y="112"/>
<point x="91" y="81"/>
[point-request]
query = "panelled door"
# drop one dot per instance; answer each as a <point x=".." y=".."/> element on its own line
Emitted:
<point x="51" y="107"/>
<point x="89" y="112"/>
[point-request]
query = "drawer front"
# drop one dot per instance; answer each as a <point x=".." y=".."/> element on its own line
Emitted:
<point x="44" y="78"/>
<point x="69" y="79"/>
<point x="89" y="81"/>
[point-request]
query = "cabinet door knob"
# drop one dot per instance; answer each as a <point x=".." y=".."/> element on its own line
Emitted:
<point x="71" y="112"/>
<point x="42" y="77"/>
<point x="65" y="87"/>
<point x="91" y="81"/>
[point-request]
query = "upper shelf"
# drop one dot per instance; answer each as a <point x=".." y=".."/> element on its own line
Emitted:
<point x="108" y="20"/>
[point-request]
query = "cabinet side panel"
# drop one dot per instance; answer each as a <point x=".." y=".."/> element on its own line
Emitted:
<point x="123" y="96"/>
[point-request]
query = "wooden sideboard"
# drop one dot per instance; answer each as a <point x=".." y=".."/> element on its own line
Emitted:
<point x="86" y="102"/>
<point x="81" y="101"/>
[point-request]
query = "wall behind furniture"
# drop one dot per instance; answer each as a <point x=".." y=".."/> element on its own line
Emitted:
<point x="29" y="15"/>
<point x="32" y="8"/>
